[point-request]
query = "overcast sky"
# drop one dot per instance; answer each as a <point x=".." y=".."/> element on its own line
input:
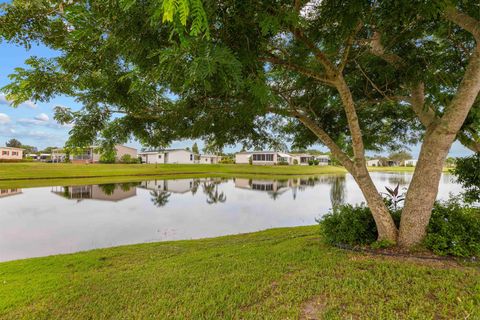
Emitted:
<point x="33" y="123"/>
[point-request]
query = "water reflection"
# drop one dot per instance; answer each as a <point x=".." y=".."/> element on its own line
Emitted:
<point x="160" y="197"/>
<point x="52" y="220"/>
<point x="9" y="192"/>
<point x="106" y="192"/>
<point x="337" y="191"/>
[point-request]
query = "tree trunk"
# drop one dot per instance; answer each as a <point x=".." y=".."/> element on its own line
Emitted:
<point x="358" y="169"/>
<point x="423" y="188"/>
<point x="383" y="219"/>
<point x="439" y="137"/>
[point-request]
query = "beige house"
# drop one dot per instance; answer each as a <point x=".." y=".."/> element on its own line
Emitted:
<point x="92" y="155"/>
<point x="95" y="192"/>
<point x="9" y="192"/>
<point x="8" y="153"/>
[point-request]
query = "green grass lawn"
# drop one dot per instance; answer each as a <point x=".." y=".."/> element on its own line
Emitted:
<point x="283" y="273"/>
<point x="12" y="174"/>
<point x="65" y="170"/>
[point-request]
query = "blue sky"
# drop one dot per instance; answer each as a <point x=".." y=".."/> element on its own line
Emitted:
<point x="33" y="123"/>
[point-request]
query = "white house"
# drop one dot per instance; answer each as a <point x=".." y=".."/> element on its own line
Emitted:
<point x="322" y="159"/>
<point x="181" y="156"/>
<point x="210" y="159"/>
<point x="374" y="163"/>
<point x="275" y="158"/>
<point x="9" y="153"/>
<point x="263" y="157"/>
<point x="175" y="186"/>
<point x="302" y="158"/>
<point x="410" y="163"/>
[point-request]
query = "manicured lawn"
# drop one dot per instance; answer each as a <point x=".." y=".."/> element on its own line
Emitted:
<point x="18" y="171"/>
<point x="275" y="274"/>
<point x="65" y="170"/>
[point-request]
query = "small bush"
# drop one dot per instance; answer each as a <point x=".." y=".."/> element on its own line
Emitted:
<point x="454" y="230"/>
<point x="468" y="175"/>
<point x="227" y="160"/>
<point x="351" y="225"/>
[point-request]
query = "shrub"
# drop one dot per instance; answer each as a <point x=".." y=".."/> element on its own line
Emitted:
<point x="468" y="175"/>
<point x="128" y="159"/>
<point x="351" y="225"/>
<point x="454" y="230"/>
<point x="227" y="160"/>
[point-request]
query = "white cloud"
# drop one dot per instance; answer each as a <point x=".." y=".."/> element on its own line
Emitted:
<point x="28" y="103"/>
<point x="42" y="117"/>
<point x="4" y="119"/>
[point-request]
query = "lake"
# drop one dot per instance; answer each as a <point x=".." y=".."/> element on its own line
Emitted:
<point x="52" y="220"/>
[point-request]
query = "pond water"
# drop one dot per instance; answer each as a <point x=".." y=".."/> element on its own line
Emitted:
<point x="51" y="220"/>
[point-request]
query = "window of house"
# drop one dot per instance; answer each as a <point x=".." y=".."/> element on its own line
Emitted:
<point x="191" y="157"/>
<point x="14" y="153"/>
<point x="159" y="156"/>
<point x="262" y="157"/>
<point x="4" y="153"/>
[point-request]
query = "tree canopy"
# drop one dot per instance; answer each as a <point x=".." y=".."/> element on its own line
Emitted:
<point x="13" y="143"/>
<point x="353" y="75"/>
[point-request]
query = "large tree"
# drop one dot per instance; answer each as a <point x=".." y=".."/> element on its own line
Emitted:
<point x="13" y="143"/>
<point x="354" y="75"/>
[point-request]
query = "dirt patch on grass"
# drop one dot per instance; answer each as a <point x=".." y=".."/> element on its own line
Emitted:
<point x="313" y="309"/>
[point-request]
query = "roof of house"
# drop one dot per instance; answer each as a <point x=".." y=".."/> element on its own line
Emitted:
<point x="162" y="150"/>
<point x="251" y="152"/>
<point x="121" y="145"/>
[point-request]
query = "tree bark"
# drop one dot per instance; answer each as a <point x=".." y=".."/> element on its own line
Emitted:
<point x="440" y="135"/>
<point x="383" y="219"/>
<point x="423" y="188"/>
<point x="385" y="224"/>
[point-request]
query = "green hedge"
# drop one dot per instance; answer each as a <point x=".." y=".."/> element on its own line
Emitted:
<point x="454" y="228"/>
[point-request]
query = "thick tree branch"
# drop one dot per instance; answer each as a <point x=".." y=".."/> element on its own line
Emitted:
<point x="469" y="142"/>
<point x="377" y="49"/>
<point x="321" y="134"/>
<point x="467" y="92"/>
<point x="426" y="115"/>
<point x="464" y="21"/>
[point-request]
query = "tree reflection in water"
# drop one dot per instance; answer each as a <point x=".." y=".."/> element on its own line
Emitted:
<point x="107" y="188"/>
<point x="210" y="188"/>
<point x="337" y="191"/>
<point x="160" y="197"/>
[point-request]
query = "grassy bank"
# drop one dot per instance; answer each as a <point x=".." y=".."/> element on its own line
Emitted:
<point x="10" y="171"/>
<point x="274" y="274"/>
<point x="70" y="173"/>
